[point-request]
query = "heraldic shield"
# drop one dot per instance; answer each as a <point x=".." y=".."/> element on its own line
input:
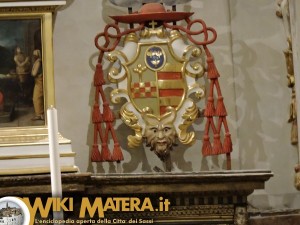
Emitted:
<point x="156" y="65"/>
<point x="157" y="76"/>
<point x="156" y="79"/>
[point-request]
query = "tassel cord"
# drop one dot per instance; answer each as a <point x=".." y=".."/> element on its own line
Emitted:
<point x="211" y="88"/>
<point x="99" y="127"/>
<point x="220" y="121"/>
<point x="102" y="95"/>
<point x="207" y="52"/>
<point x="218" y="88"/>
<point x="107" y="129"/>
<point x="213" y="127"/>
<point x="210" y="108"/>
<point x="107" y="36"/>
<point x="191" y="33"/>
<point x="97" y="96"/>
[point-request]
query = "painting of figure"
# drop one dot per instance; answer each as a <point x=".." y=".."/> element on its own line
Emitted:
<point x="21" y="73"/>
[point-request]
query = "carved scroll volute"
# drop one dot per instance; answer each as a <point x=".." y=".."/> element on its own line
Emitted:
<point x="193" y="67"/>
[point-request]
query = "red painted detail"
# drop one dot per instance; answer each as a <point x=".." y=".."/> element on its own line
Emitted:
<point x="170" y="92"/>
<point x="169" y="76"/>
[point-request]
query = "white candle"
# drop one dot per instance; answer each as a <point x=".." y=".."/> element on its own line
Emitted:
<point x="55" y="171"/>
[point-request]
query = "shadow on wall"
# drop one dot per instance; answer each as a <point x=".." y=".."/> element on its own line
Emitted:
<point x="137" y="155"/>
<point x="258" y="106"/>
<point x="252" y="87"/>
<point x="67" y="5"/>
<point x="251" y="143"/>
<point x="109" y="9"/>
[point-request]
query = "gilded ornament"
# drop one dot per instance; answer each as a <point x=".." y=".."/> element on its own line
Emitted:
<point x="159" y="76"/>
<point x="157" y="71"/>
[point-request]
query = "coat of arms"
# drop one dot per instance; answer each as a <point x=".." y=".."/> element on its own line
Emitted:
<point x="157" y="71"/>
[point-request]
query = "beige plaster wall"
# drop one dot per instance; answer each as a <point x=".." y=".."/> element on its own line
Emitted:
<point x="248" y="53"/>
<point x="263" y="99"/>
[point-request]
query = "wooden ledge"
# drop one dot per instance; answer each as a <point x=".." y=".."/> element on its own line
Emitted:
<point x="244" y="182"/>
<point x="41" y="184"/>
<point x="240" y="181"/>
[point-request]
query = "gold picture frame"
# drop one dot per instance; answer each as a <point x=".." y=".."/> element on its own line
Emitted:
<point x="25" y="132"/>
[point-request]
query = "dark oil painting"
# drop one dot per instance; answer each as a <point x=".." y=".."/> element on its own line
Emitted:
<point x="21" y="73"/>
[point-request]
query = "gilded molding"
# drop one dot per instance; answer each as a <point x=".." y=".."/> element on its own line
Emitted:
<point x="158" y="32"/>
<point x="189" y="116"/>
<point x="34" y="156"/>
<point x="37" y="170"/>
<point x="27" y="136"/>
<point x="115" y="55"/>
<point x="197" y="89"/>
<point x="31" y="9"/>
<point x="174" y="35"/>
<point x="132" y="37"/>
<point x="131" y="120"/>
<point x="117" y="73"/>
<point x="117" y="94"/>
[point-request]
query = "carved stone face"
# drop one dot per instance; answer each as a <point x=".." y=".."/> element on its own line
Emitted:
<point x="160" y="135"/>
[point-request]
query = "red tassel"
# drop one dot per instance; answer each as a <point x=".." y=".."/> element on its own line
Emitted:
<point x="98" y="76"/>
<point x="220" y="109"/>
<point x="210" y="108"/>
<point x="108" y="115"/>
<point x="96" y="156"/>
<point x="105" y="153"/>
<point x="117" y="153"/>
<point x="212" y="72"/>
<point x="217" y="145"/>
<point x="96" y="116"/>
<point x="227" y="146"/>
<point x="206" y="147"/>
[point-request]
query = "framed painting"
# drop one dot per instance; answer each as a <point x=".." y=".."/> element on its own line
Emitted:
<point x="26" y="76"/>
